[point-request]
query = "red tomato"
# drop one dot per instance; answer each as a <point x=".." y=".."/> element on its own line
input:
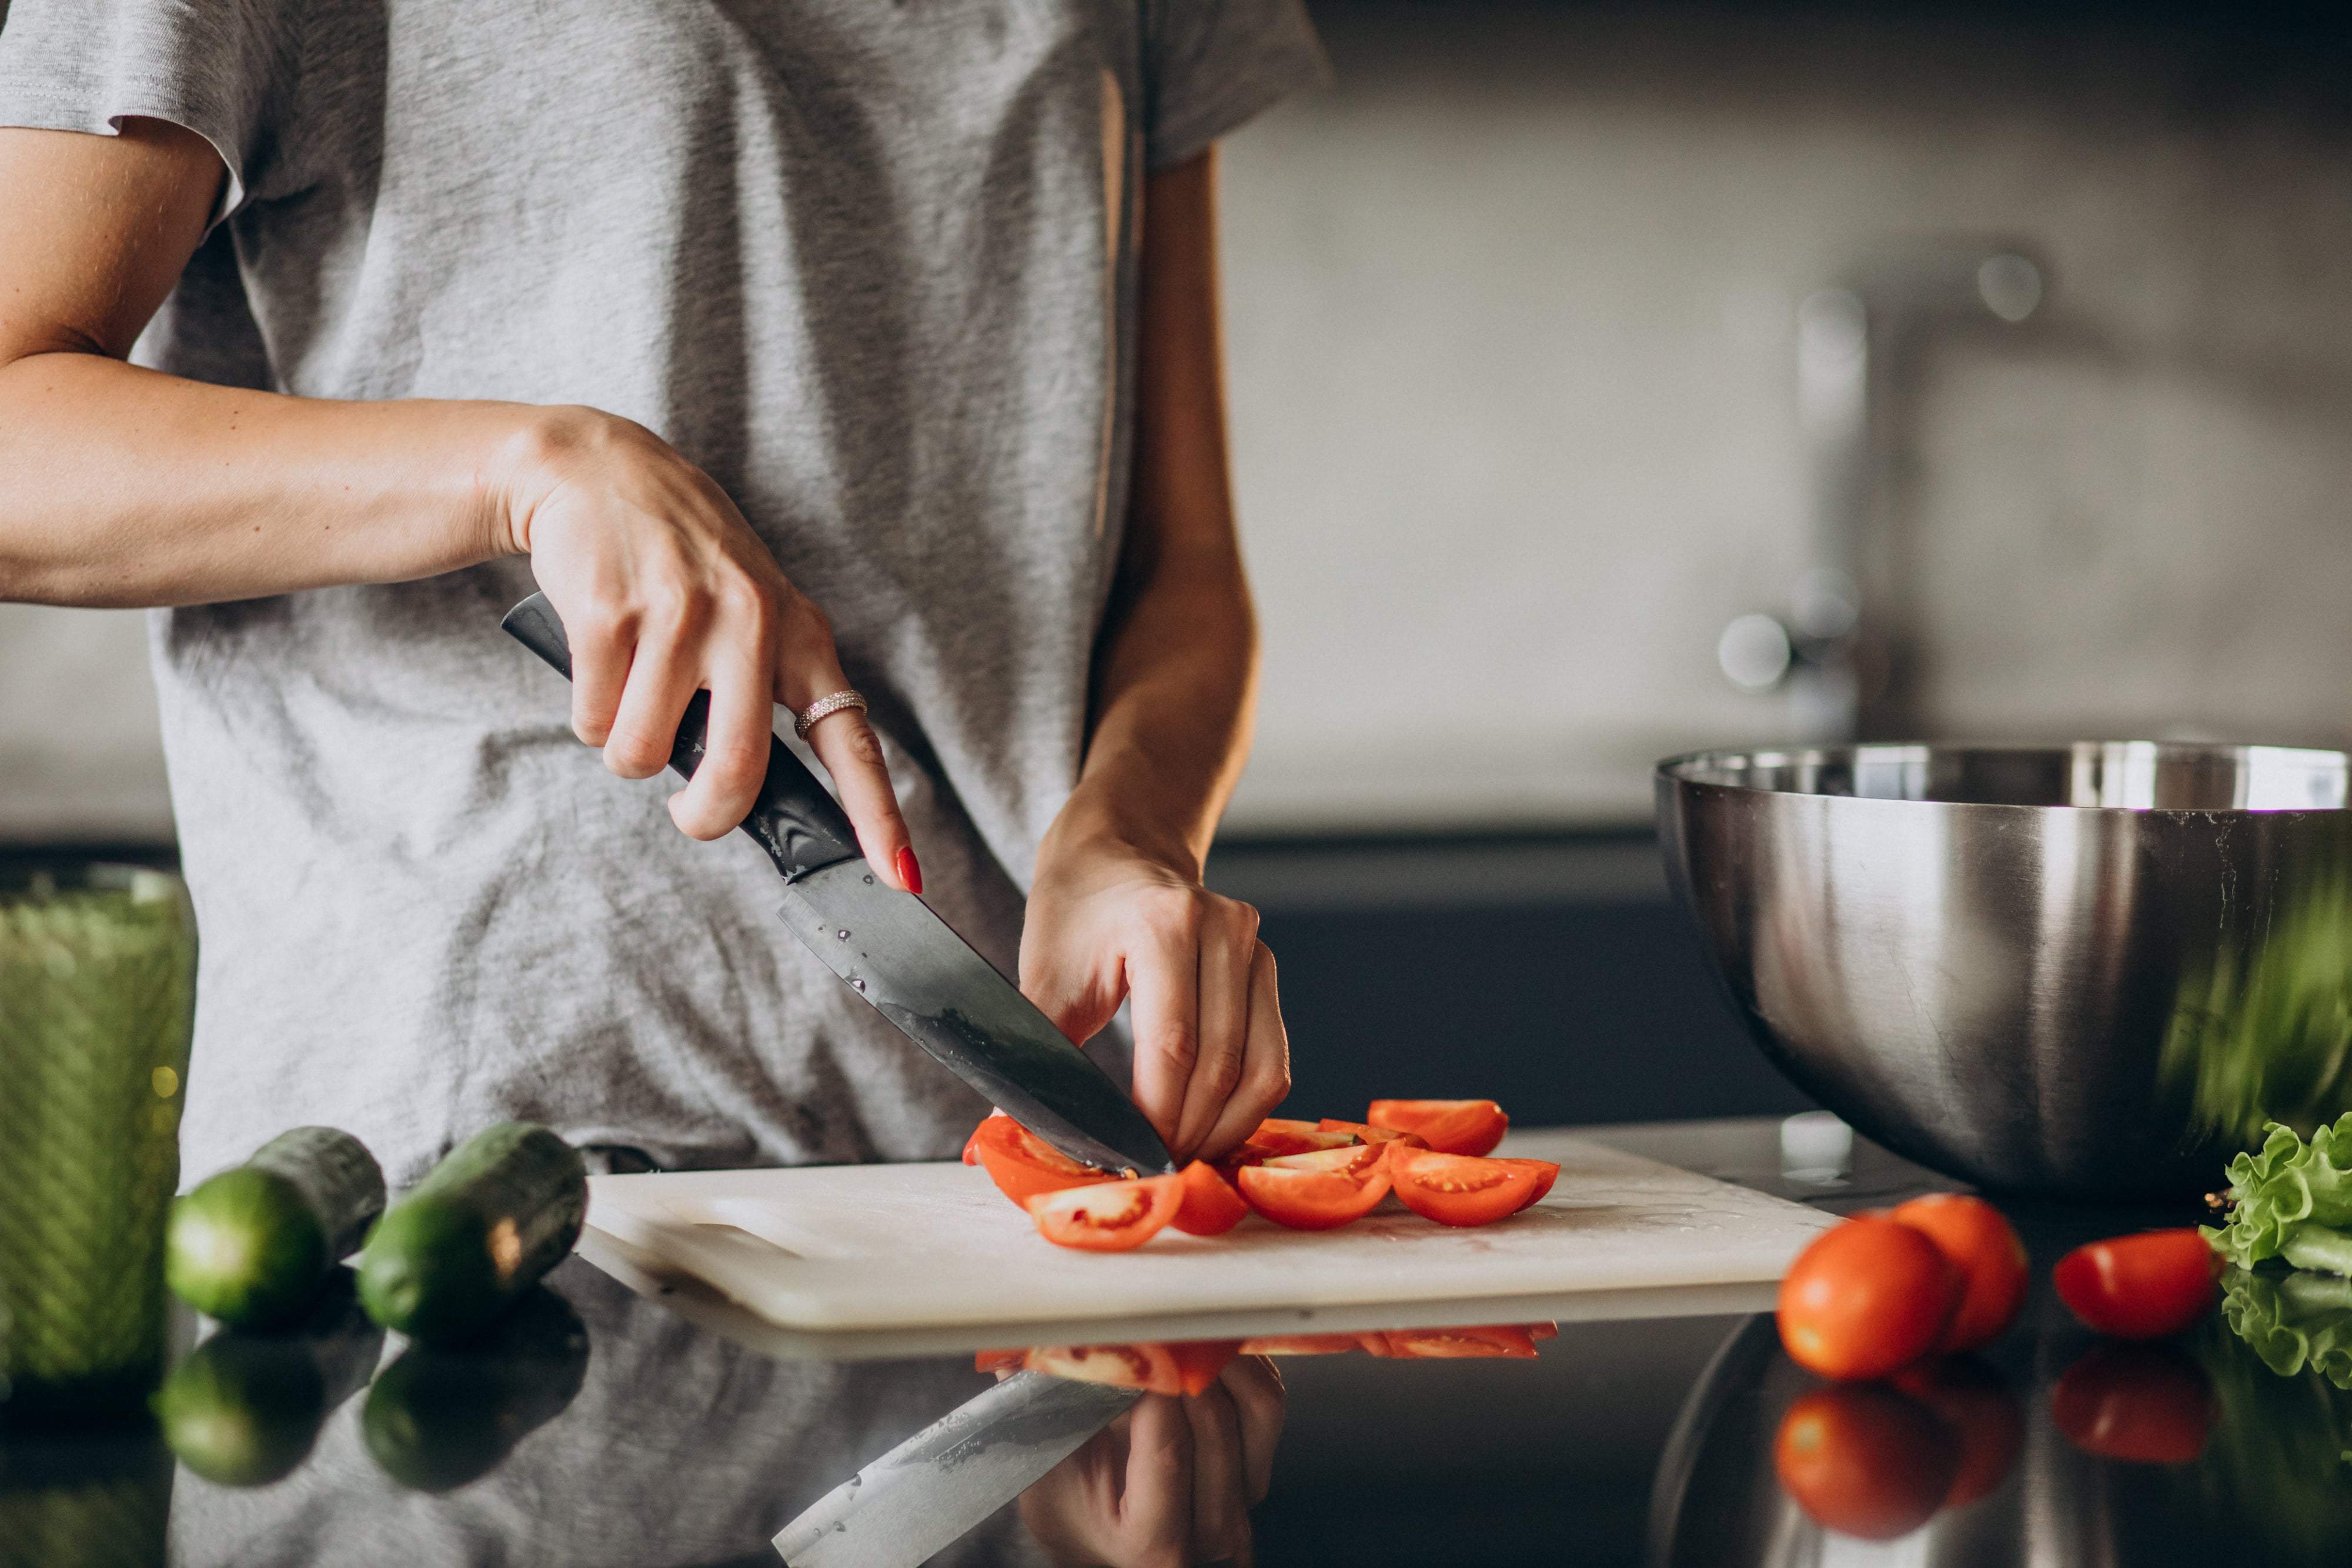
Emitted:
<point x="1972" y="1399"/>
<point x="1312" y="1199"/>
<point x="2148" y="1286"/>
<point x="1108" y="1216"/>
<point x="1866" y="1461"/>
<point x="1493" y="1340"/>
<point x="1211" y="1206"/>
<point x="1024" y="1165"/>
<point x="1865" y="1298"/>
<point x="1460" y="1190"/>
<point x="1352" y="1160"/>
<point x="1188" y="1367"/>
<point x="1978" y="1243"/>
<point x="2147" y="1404"/>
<point x="1368" y="1133"/>
<point x="1546" y="1172"/>
<point x="1449" y="1126"/>
<point x="1301" y="1344"/>
<point x="1280" y="1136"/>
<point x="999" y="1360"/>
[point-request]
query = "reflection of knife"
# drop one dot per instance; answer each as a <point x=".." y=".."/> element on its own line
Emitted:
<point x="902" y="958"/>
<point x="954" y="1473"/>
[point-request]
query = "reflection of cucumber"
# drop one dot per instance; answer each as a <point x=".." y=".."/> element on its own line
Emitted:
<point x="245" y="1408"/>
<point x="439" y="1418"/>
<point x="251" y="1244"/>
<point x="502" y="1209"/>
<point x="83" y="1496"/>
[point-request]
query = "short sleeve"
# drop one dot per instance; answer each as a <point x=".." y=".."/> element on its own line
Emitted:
<point x="1210" y="65"/>
<point x="220" y="67"/>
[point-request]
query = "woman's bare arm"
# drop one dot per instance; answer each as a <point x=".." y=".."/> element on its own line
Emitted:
<point x="1118" y="907"/>
<point x="122" y="486"/>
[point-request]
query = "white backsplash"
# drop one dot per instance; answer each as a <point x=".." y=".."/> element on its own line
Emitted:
<point x="1510" y="313"/>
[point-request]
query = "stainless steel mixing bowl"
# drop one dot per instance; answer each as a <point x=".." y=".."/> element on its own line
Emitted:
<point x="2083" y="971"/>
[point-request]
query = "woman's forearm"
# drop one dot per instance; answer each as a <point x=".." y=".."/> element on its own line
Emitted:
<point x="128" y="487"/>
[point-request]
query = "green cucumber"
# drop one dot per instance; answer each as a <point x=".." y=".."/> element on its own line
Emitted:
<point x="500" y="1210"/>
<point x="251" y="1244"/>
<point x="436" y="1419"/>
<point x="245" y="1408"/>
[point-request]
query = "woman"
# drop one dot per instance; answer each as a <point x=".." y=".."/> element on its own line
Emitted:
<point x="794" y="347"/>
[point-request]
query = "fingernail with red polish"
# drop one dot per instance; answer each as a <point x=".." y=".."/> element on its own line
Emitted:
<point x="909" y="873"/>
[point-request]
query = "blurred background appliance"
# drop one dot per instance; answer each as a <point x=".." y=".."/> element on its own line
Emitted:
<point x="1537" y="324"/>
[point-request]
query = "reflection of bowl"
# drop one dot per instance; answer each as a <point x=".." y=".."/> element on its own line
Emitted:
<point x="2087" y="970"/>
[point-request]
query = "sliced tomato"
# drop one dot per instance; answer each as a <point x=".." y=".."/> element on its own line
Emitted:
<point x="1546" y="1173"/>
<point x="1302" y="1344"/>
<point x="1352" y="1160"/>
<point x="1211" y="1206"/>
<point x="999" y="1360"/>
<point x="1370" y="1133"/>
<point x="1460" y="1190"/>
<point x="1512" y="1341"/>
<point x="1186" y="1367"/>
<point x="2148" y="1286"/>
<point x="1449" y="1126"/>
<point x="1541" y="1330"/>
<point x="1109" y="1215"/>
<point x="1024" y="1165"/>
<point x="972" y="1144"/>
<point x="1281" y="1136"/>
<point x="1313" y="1200"/>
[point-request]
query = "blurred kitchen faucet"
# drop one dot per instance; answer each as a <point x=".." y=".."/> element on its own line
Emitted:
<point x="1820" y="653"/>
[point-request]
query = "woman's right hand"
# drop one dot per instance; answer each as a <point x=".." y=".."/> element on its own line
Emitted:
<point x="664" y="590"/>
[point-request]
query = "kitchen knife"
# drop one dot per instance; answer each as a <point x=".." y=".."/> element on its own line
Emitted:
<point x="904" y="960"/>
<point x="929" y="1489"/>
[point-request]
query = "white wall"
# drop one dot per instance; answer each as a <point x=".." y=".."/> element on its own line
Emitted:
<point x="1511" y="315"/>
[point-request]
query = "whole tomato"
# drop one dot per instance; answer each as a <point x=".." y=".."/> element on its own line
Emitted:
<point x="1864" y="1461"/>
<point x="1867" y="1297"/>
<point x="2148" y="1286"/>
<point x="1981" y="1244"/>
<point x="2147" y="1404"/>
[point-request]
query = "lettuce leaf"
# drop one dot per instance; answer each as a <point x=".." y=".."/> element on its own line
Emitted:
<point x="2292" y="1199"/>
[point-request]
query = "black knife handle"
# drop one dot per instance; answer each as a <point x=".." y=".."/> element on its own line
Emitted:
<point x="802" y="827"/>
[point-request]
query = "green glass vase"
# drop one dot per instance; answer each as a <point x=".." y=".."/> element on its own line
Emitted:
<point x="97" y="1001"/>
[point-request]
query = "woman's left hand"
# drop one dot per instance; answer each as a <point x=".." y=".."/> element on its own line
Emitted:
<point x="1107" y="922"/>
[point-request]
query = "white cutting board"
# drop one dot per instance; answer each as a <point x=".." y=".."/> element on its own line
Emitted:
<point x="833" y="1247"/>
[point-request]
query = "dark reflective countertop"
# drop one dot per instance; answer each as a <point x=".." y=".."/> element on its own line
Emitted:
<point x="608" y="1427"/>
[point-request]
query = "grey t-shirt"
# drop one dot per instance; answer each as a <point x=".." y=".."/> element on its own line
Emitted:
<point x="872" y="266"/>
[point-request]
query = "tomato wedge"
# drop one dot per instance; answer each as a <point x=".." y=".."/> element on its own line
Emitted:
<point x="999" y="1360"/>
<point x="1302" y="1344"/>
<point x="1314" y="1199"/>
<point x="1449" y="1126"/>
<point x="1211" y="1206"/>
<point x="1488" y="1340"/>
<point x="1546" y="1173"/>
<point x="1024" y="1165"/>
<point x="1280" y="1136"/>
<point x="1460" y="1190"/>
<point x="1108" y="1216"/>
<point x="1370" y="1133"/>
<point x="1186" y="1367"/>
<point x="1352" y="1160"/>
<point x="972" y="1144"/>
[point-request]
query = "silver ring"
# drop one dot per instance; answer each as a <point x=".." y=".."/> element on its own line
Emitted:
<point x="824" y="708"/>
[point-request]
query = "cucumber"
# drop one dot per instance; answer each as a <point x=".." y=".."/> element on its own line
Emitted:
<point x="436" y="1419"/>
<point x="500" y="1210"/>
<point x="251" y="1244"/>
<point x="245" y="1408"/>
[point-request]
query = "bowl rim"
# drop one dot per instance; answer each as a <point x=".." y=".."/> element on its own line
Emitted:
<point x="1678" y="769"/>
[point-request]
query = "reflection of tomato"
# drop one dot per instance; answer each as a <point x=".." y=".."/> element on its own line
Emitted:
<point x="1312" y="1199"/>
<point x="1545" y="1172"/>
<point x="1866" y="1461"/>
<point x="1988" y="1418"/>
<point x="1491" y="1340"/>
<point x="1461" y="1189"/>
<point x="1370" y="1133"/>
<point x="1301" y="1344"/>
<point x="1211" y="1206"/>
<point x="2148" y="1403"/>
<point x="1865" y="1298"/>
<point x="1449" y="1126"/>
<point x="1108" y="1217"/>
<point x="1982" y="1245"/>
<point x="2148" y="1286"/>
<point x="1186" y="1368"/>
<point x="1024" y="1165"/>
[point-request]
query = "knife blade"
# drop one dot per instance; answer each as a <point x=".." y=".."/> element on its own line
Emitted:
<point x="929" y="1491"/>
<point x="902" y="959"/>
